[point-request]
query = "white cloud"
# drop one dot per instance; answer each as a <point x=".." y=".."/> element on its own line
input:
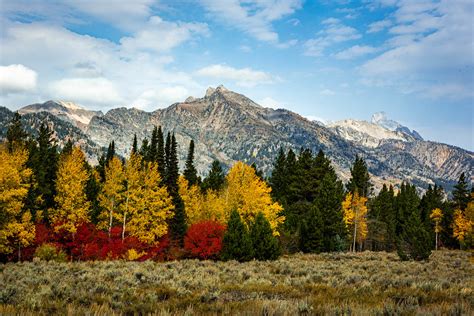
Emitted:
<point x="379" y="26"/>
<point x="316" y="118"/>
<point x="17" y="78"/>
<point x="159" y="35"/>
<point x="330" y="21"/>
<point x="246" y="77"/>
<point x="245" y="48"/>
<point x="356" y="51"/>
<point x="159" y="98"/>
<point x="86" y="91"/>
<point x="333" y="33"/>
<point x="269" y="102"/>
<point x="327" y="92"/>
<point x="253" y="17"/>
<point x="432" y="52"/>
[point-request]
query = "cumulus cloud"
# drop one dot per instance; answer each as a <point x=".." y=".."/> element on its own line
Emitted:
<point x="356" y="51"/>
<point x="334" y="32"/>
<point x="159" y="98"/>
<point x="430" y="53"/>
<point x="86" y="90"/>
<point x="379" y="26"/>
<point x="17" y="78"/>
<point x="246" y="77"/>
<point x="253" y="17"/>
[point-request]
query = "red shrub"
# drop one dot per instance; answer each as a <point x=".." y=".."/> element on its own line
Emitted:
<point x="204" y="239"/>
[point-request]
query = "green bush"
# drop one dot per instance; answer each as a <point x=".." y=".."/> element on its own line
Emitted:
<point x="49" y="252"/>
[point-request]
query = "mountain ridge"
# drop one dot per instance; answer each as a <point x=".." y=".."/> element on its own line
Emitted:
<point x="228" y="126"/>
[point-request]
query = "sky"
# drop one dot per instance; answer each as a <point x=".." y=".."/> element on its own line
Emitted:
<point x="326" y="60"/>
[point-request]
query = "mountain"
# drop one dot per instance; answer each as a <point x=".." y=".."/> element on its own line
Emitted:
<point x="381" y="119"/>
<point x="68" y="111"/>
<point x="229" y="126"/>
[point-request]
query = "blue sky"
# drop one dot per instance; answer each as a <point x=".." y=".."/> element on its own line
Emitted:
<point x="329" y="60"/>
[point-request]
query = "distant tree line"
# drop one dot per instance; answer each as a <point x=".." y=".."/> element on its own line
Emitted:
<point x="141" y="207"/>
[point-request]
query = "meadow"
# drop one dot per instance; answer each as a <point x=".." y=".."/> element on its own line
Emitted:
<point x="366" y="283"/>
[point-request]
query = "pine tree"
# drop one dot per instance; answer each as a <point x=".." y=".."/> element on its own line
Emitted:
<point x="236" y="244"/>
<point x="16" y="135"/>
<point x="190" y="172"/>
<point x="153" y="148"/>
<point x="93" y="188"/>
<point x="279" y="178"/>
<point x="72" y="205"/>
<point x="414" y="241"/>
<point x="135" y="144"/>
<point x="144" y="148"/>
<point x="67" y="148"/>
<point x="258" y="172"/>
<point x="215" y="179"/>
<point x="382" y="220"/>
<point x="167" y="157"/>
<point x="110" y="153"/>
<point x="160" y="153"/>
<point x="43" y="160"/>
<point x="311" y="232"/>
<point x="16" y="227"/>
<point x="461" y="193"/>
<point x="360" y="178"/>
<point x="265" y="245"/>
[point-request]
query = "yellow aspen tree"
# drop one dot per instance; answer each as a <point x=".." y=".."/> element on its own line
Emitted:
<point x="355" y="217"/>
<point x="214" y="208"/>
<point x="112" y="194"/>
<point x="16" y="227"/>
<point x="436" y="216"/>
<point x="249" y="195"/>
<point x="73" y="207"/>
<point x="193" y="200"/>
<point x="462" y="226"/>
<point x="133" y="194"/>
<point x="148" y="222"/>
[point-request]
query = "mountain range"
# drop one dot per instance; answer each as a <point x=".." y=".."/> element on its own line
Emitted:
<point x="228" y="126"/>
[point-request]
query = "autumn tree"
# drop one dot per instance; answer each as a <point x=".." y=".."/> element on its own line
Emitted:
<point x="249" y="195"/>
<point x="133" y="191"/>
<point x="355" y="217"/>
<point x="16" y="228"/>
<point x="72" y="205"/>
<point x="462" y="227"/>
<point x="112" y="194"/>
<point x="193" y="200"/>
<point x="149" y="221"/>
<point x="436" y="216"/>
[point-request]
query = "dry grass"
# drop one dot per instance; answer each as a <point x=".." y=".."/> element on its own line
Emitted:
<point x="335" y="284"/>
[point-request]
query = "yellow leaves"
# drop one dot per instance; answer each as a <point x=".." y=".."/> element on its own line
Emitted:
<point x="73" y="206"/>
<point x="248" y="194"/>
<point x="355" y="216"/>
<point x="462" y="226"/>
<point x="436" y="216"/>
<point x="112" y="194"/>
<point x="133" y="255"/>
<point x="152" y="207"/>
<point x="16" y="227"/>
<point x="193" y="200"/>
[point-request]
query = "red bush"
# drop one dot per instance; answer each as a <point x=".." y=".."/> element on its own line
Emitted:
<point x="204" y="239"/>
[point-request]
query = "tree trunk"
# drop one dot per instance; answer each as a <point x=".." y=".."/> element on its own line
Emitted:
<point x="355" y="234"/>
<point x="436" y="247"/>
<point x="19" y="252"/>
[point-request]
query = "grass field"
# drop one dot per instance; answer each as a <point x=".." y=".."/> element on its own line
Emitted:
<point x="339" y="283"/>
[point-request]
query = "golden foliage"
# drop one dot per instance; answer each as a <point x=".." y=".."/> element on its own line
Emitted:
<point x="355" y="216"/>
<point x="73" y="206"/>
<point x="436" y="216"/>
<point x="112" y="194"/>
<point x="462" y="226"/>
<point x="16" y="227"/>
<point x="193" y="200"/>
<point x="248" y="194"/>
<point x="151" y="208"/>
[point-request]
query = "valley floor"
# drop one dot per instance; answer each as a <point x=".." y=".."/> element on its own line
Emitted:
<point x="338" y="283"/>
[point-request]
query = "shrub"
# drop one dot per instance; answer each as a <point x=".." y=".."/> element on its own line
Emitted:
<point x="204" y="239"/>
<point x="50" y="252"/>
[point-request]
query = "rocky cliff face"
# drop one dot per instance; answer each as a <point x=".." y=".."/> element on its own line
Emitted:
<point x="228" y="126"/>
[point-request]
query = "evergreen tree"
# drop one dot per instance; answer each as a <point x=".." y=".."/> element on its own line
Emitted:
<point x="135" y="144"/>
<point x="360" y="178"/>
<point x="236" y="244"/>
<point x="279" y="178"/>
<point x="265" y="244"/>
<point x="414" y="241"/>
<point x="215" y="179"/>
<point x="43" y="160"/>
<point x="461" y="193"/>
<point x="160" y="153"/>
<point x="167" y="157"/>
<point x="67" y="149"/>
<point x="93" y="188"/>
<point x="311" y="232"/>
<point x="258" y="172"/>
<point x="144" y="148"/>
<point x="382" y="220"/>
<point x="16" y="135"/>
<point x="151" y="155"/>
<point x="190" y="172"/>
<point x="432" y="199"/>
<point x="110" y="153"/>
